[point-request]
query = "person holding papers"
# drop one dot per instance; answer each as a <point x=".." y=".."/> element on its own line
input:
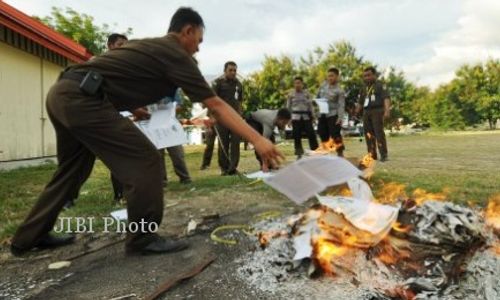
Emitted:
<point x="329" y="123"/>
<point x="300" y="104"/>
<point x="84" y="104"/>
<point x="264" y="121"/>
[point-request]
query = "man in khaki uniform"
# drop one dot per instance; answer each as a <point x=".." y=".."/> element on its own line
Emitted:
<point x="330" y="124"/>
<point x="299" y="102"/>
<point x="83" y="107"/>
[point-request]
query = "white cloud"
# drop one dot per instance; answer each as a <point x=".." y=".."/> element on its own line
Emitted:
<point x="475" y="38"/>
<point x="428" y="39"/>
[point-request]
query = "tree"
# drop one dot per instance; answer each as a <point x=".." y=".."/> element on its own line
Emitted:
<point x="403" y="93"/>
<point x="440" y="111"/>
<point x="341" y="55"/>
<point x="478" y="91"/>
<point x="269" y="87"/>
<point x="80" y="28"/>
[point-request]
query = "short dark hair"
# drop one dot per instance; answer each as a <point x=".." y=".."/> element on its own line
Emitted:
<point x="284" y="114"/>
<point x="298" y="78"/>
<point x="229" y="63"/>
<point x="334" y="70"/>
<point x="185" y="16"/>
<point x="112" y="38"/>
<point x="370" y="69"/>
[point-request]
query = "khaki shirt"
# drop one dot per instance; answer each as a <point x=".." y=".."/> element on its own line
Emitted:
<point x="300" y="105"/>
<point x="336" y="99"/>
<point x="267" y="118"/>
<point x="230" y="91"/>
<point x="143" y="71"/>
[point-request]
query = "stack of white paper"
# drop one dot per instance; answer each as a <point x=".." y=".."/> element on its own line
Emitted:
<point x="163" y="129"/>
<point x="369" y="216"/>
<point x="322" y="104"/>
<point x="307" y="177"/>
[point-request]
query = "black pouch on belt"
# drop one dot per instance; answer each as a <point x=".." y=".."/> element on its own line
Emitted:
<point x="91" y="83"/>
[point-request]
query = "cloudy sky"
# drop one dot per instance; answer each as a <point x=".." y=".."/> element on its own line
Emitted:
<point x="427" y="39"/>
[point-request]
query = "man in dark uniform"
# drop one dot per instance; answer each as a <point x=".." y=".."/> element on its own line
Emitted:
<point x="85" y="113"/>
<point x="115" y="40"/>
<point x="229" y="88"/>
<point x="375" y="103"/>
<point x="300" y="104"/>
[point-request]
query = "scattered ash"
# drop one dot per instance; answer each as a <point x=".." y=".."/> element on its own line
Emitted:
<point x="456" y="252"/>
<point x="272" y="271"/>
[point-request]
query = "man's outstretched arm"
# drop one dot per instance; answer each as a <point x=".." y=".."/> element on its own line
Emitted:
<point x="232" y="120"/>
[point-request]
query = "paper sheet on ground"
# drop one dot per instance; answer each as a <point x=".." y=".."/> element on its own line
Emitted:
<point x="120" y="215"/>
<point x="307" y="177"/>
<point x="163" y="129"/>
<point x="366" y="215"/>
<point x="322" y="105"/>
<point x="259" y="175"/>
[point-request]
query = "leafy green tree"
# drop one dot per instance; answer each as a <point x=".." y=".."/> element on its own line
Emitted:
<point x="439" y="109"/>
<point x="478" y="91"/>
<point x="343" y="56"/>
<point x="403" y="94"/>
<point x="269" y="87"/>
<point x="80" y="27"/>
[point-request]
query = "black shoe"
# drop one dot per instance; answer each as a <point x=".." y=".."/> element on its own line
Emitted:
<point x="186" y="181"/>
<point x="299" y="156"/>
<point x="232" y="172"/>
<point x="159" y="246"/>
<point x="384" y="158"/>
<point x="48" y="242"/>
<point x="54" y="241"/>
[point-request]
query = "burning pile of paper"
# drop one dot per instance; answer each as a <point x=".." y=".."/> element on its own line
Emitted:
<point x="412" y="249"/>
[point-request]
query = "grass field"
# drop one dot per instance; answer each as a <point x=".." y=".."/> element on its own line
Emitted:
<point x="462" y="164"/>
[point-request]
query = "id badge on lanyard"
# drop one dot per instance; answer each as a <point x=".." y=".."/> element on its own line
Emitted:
<point x="370" y="97"/>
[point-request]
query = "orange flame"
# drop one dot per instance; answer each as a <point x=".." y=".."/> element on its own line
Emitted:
<point x="492" y="213"/>
<point x="389" y="254"/>
<point x="421" y="196"/>
<point x="396" y="226"/>
<point x="391" y="192"/>
<point x="328" y="146"/>
<point x="326" y="251"/>
<point x="367" y="161"/>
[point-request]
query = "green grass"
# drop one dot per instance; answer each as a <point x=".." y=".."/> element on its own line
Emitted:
<point x="463" y="163"/>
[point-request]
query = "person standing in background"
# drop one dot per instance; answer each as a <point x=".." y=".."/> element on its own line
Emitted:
<point x="375" y="104"/>
<point x="329" y="124"/>
<point x="300" y="104"/>
<point x="229" y="89"/>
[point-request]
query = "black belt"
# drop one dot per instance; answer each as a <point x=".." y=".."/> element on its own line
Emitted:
<point x="302" y="112"/>
<point x="86" y="85"/>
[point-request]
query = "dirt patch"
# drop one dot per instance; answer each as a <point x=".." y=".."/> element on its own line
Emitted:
<point x="108" y="273"/>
